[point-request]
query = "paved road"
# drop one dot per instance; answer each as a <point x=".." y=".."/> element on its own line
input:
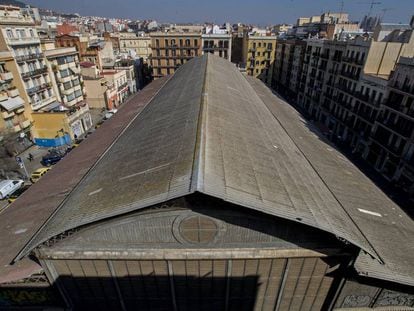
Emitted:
<point x="31" y="166"/>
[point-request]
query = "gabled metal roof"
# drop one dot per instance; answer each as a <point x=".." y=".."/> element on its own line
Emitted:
<point x="211" y="130"/>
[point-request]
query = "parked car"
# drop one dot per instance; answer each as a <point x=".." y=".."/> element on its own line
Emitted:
<point x="8" y="187"/>
<point x="51" y="158"/>
<point x="110" y="113"/>
<point x="98" y="125"/>
<point x="13" y="197"/>
<point x="37" y="174"/>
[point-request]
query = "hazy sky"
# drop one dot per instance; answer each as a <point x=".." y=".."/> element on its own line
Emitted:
<point x="261" y="12"/>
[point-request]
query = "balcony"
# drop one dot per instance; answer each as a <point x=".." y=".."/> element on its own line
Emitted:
<point x="73" y="101"/>
<point x="23" y="41"/>
<point x="41" y="103"/>
<point x="7" y="115"/>
<point x="28" y="57"/>
<point x="39" y="71"/>
<point x="20" y="110"/>
<point x="6" y="76"/>
<point x="3" y="96"/>
<point x="72" y="116"/>
<point x="325" y="55"/>
<point x="122" y="87"/>
<point x="17" y="128"/>
<point x="25" y="124"/>
<point x="65" y="78"/>
<point x="21" y="19"/>
<point x="13" y="92"/>
<point x="336" y="58"/>
<point x="350" y="75"/>
<point x="38" y="88"/>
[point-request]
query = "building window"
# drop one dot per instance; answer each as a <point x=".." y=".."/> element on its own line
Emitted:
<point x="31" y="33"/>
<point x="9" y="33"/>
<point x="157" y="43"/>
<point x="187" y="42"/>
<point x="70" y="97"/>
<point x="67" y="85"/>
<point x="64" y="73"/>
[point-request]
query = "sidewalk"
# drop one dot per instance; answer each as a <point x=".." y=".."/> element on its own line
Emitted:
<point x="37" y="153"/>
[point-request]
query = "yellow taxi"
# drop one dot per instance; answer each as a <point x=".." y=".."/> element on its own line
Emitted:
<point x="37" y="174"/>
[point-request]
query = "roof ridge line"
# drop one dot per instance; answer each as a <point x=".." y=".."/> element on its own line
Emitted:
<point x="197" y="177"/>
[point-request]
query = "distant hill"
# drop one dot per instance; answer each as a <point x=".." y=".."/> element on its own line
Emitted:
<point x="13" y="2"/>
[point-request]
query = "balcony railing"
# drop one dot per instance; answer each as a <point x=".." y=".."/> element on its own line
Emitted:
<point x="7" y="115"/>
<point x="122" y="86"/>
<point x="350" y="75"/>
<point x="32" y="56"/>
<point x="6" y="76"/>
<point x="38" y="88"/>
<point x="39" y="71"/>
<point x="22" y="41"/>
<point x="76" y="113"/>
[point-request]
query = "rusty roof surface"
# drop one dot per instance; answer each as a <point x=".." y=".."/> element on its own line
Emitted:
<point x="20" y="221"/>
<point x="211" y="130"/>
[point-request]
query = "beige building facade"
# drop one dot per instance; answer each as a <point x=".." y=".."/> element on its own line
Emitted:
<point x="173" y="49"/>
<point x="260" y="51"/>
<point x="217" y="44"/>
<point x="134" y="45"/>
<point x="14" y="106"/>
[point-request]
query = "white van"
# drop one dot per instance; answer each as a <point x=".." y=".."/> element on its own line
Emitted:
<point x="7" y="187"/>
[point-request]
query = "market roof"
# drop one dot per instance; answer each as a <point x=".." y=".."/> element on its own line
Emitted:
<point x="211" y="130"/>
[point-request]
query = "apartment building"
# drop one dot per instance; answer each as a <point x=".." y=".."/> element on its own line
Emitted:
<point x="172" y="49"/>
<point x="287" y="67"/>
<point x="14" y="107"/>
<point x="102" y="90"/>
<point x="260" y="52"/>
<point x="391" y="149"/>
<point x="136" y="46"/>
<point x="18" y="35"/>
<point x="119" y="79"/>
<point x="90" y="48"/>
<point x="344" y="84"/>
<point x="115" y="41"/>
<point x="218" y="44"/>
<point x="64" y="63"/>
<point x="129" y="66"/>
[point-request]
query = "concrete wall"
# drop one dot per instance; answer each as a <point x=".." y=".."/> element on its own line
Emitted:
<point x="383" y="56"/>
<point x="95" y="93"/>
<point x="47" y="125"/>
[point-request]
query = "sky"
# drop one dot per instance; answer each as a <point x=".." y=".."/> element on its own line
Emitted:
<point x="260" y="12"/>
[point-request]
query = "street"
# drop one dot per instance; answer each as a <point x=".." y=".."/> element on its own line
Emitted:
<point x="31" y="166"/>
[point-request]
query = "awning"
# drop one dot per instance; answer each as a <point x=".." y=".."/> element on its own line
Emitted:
<point x="12" y="103"/>
<point x="55" y="106"/>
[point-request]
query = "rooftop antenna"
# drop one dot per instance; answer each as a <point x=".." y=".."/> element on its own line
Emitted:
<point x="372" y="4"/>
<point x="342" y="9"/>
<point x="384" y="11"/>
